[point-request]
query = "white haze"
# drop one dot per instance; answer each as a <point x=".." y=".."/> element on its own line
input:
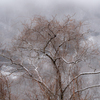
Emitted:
<point x="13" y="12"/>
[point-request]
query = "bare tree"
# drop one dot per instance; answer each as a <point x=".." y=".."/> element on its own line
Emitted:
<point x="5" y="93"/>
<point x="53" y="54"/>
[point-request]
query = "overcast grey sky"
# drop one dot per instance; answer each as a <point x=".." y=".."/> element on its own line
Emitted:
<point x="49" y="7"/>
<point x="14" y="11"/>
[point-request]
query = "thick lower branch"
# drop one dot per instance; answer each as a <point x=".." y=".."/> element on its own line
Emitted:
<point x="83" y="90"/>
<point x="90" y="73"/>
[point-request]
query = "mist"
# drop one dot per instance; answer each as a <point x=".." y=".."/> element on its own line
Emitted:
<point x="15" y="12"/>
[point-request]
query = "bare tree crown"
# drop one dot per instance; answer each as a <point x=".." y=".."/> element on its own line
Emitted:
<point x="55" y="53"/>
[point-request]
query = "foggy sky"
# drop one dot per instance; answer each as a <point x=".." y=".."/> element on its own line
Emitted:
<point x="12" y="12"/>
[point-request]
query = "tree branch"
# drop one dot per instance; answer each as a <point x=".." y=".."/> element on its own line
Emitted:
<point x="83" y="90"/>
<point x="89" y="73"/>
<point x="49" y="42"/>
<point x="73" y="62"/>
<point x="41" y="82"/>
